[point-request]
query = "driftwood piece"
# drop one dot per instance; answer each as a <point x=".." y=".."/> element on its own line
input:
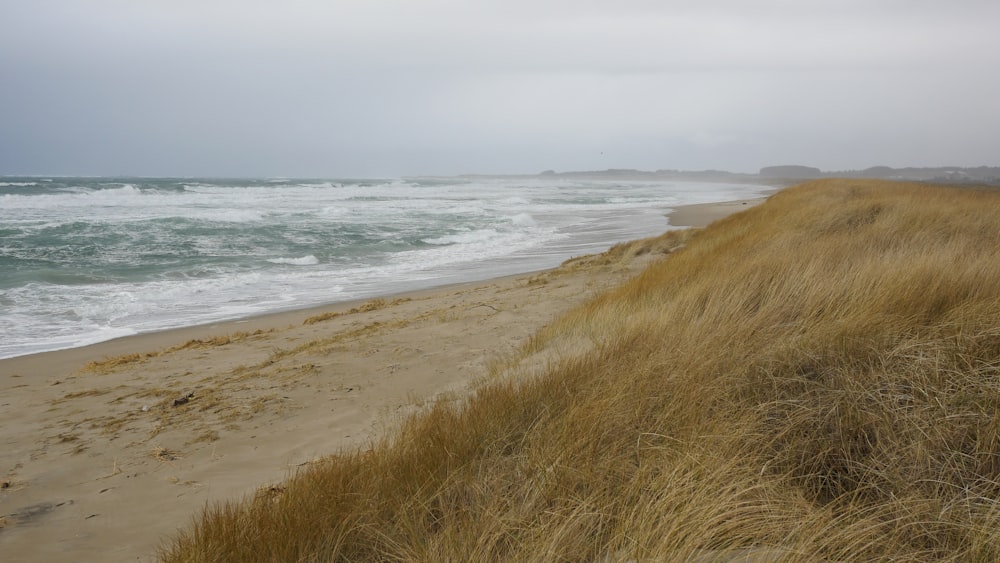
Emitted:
<point x="182" y="400"/>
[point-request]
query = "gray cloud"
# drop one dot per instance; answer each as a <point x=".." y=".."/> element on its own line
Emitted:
<point x="394" y="87"/>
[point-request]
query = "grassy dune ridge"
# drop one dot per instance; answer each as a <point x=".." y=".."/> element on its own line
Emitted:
<point x="816" y="377"/>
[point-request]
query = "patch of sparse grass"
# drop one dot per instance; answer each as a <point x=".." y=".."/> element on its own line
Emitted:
<point x="163" y="454"/>
<point x="625" y="253"/>
<point x="218" y="340"/>
<point x="207" y="436"/>
<point x="323" y="344"/>
<point x="815" y="378"/>
<point x="323" y="317"/>
<point x="540" y="279"/>
<point x="81" y="394"/>
<point x="366" y="307"/>
<point x="109" y="364"/>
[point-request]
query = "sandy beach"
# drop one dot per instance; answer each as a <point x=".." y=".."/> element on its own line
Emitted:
<point x="106" y="450"/>
<point x="701" y="214"/>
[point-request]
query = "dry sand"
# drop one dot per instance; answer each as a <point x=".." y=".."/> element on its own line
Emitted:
<point x="103" y="462"/>
<point x="701" y="214"/>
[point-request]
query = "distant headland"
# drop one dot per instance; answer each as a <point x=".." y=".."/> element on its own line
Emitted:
<point x="791" y="174"/>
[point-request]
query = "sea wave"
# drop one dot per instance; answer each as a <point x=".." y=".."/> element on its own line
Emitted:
<point x="226" y="216"/>
<point x="73" y="197"/>
<point x="524" y="220"/>
<point x="477" y="236"/>
<point x="125" y="190"/>
<point x="515" y="201"/>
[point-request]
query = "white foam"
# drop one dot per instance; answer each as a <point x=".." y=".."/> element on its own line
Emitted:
<point x="309" y="260"/>
<point x="124" y="191"/>
<point x="482" y="235"/>
<point x="227" y="216"/>
<point x="524" y="220"/>
<point x="331" y="211"/>
<point x="518" y="201"/>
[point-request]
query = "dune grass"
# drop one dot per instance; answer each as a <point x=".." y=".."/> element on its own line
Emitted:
<point x="817" y="377"/>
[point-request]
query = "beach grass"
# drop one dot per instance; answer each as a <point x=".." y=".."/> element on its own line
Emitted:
<point x="815" y="378"/>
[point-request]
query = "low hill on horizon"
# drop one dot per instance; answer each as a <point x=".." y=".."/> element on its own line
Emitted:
<point x="784" y="175"/>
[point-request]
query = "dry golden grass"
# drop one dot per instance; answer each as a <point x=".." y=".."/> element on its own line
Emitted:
<point x="107" y="365"/>
<point x="220" y="340"/>
<point x="815" y="378"/>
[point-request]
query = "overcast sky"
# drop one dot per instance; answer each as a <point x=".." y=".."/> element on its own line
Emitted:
<point x="409" y="87"/>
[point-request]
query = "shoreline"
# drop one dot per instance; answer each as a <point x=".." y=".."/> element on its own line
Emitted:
<point x="70" y="358"/>
<point x="683" y="216"/>
<point x="701" y="214"/>
<point x="107" y="462"/>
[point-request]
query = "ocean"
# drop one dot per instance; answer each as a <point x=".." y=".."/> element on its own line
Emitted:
<point x="84" y="260"/>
